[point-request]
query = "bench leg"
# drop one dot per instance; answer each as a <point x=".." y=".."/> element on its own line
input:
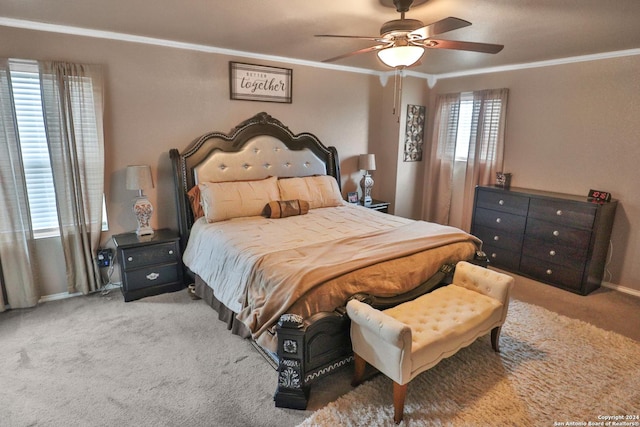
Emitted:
<point x="399" y="393"/>
<point x="359" y="367"/>
<point x="495" y="338"/>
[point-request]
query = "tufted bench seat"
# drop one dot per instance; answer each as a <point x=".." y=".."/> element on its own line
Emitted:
<point x="403" y="341"/>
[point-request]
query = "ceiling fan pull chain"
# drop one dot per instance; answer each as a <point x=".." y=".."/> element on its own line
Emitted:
<point x="400" y="94"/>
<point x="395" y="86"/>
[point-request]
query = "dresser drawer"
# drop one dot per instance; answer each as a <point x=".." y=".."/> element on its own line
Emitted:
<point x="551" y="273"/>
<point x="499" y="238"/>
<point x="557" y="234"/>
<point x="137" y="257"/>
<point x="503" y="221"/>
<point x="568" y="256"/>
<point x="501" y="257"/>
<point x="151" y="276"/>
<point x="502" y="201"/>
<point x="580" y="215"/>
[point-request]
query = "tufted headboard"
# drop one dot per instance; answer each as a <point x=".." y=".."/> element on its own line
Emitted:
<point x="257" y="148"/>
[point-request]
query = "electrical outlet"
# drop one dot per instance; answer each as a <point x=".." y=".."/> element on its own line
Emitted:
<point x="105" y="257"/>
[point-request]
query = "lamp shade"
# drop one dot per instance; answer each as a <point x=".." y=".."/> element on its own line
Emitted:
<point x="367" y="162"/>
<point x="139" y="177"/>
<point x="401" y="56"/>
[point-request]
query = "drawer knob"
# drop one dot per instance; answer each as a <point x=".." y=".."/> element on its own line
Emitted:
<point x="152" y="276"/>
<point x="501" y="202"/>
<point x="498" y="220"/>
<point x="552" y="253"/>
<point x="549" y="272"/>
<point x="494" y="255"/>
<point x="559" y="212"/>
<point x="496" y="238"/>
<point x="130" y="259"/>
<point x="171" y="252"/>
<point x="556" y="233"/>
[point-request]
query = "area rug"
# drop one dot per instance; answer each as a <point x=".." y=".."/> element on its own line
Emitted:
<point x="551" y="371"/>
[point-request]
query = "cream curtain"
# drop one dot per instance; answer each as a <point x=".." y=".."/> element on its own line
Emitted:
<point x="485" y="156"/>
<point x="16" y="238"/>
<point x="73" y="105"/>
<point x="486" y="145"/>
<point x="437" y="198"/>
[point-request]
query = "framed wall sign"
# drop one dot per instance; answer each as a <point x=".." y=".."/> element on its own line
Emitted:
<point x="251" y="82"/>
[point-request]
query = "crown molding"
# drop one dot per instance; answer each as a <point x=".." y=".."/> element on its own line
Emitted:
<point x="131" y="38"/>
<point x="431" y="78"/>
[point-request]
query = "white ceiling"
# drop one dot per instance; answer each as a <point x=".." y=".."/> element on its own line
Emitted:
<point x="530" y="30"/>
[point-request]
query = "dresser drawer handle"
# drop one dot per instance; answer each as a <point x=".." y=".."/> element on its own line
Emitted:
<point x="494" y="255"/>
<point x="552" y="253"/>
<point x="559" y="212"/>
<point x="152" y="276"/>
<point x="496" y="238"/>
<point x="130" y="259"/>
<point x="498" y="220"/>
<point x="501" y="202"/>
<point x="549" y="272"/>
<point x="171" y="252"/>
<point x="556" y="233"/>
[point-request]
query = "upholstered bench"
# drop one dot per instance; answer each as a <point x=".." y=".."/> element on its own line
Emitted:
<point x="403" y="341"/>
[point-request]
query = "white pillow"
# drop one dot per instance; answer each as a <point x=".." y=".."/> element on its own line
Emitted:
<point x="320" y="191"/>
<point x="226" y="200"/>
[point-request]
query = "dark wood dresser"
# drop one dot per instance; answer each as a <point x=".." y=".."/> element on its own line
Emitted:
<point x="555" y="238"/>
<point x="149" y="265"/>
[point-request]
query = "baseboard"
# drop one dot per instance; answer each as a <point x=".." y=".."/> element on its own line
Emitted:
<point x="623" y="289"/>
<point x="65" y="295"/>
<point x="61" y="295"/>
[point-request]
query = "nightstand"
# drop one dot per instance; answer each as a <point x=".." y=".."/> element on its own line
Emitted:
<point x="149" y="265"/>
<point x="377" y="205"/>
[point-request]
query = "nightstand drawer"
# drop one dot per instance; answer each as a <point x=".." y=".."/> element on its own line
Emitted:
<point x="149" y="255"/>
<point x="152" y="276"/>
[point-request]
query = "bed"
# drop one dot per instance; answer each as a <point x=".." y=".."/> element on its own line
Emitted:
<point x="272" y="246"/>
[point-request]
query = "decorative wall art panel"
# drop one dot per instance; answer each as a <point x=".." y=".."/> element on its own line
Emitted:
<point x="414" y="133"/>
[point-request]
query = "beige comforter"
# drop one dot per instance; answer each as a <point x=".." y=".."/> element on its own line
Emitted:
<point x="305" y="277"/>
<point x="282" y="278"/>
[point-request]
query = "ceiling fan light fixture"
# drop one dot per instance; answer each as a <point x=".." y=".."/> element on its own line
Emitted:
<point x="401" y="56"/>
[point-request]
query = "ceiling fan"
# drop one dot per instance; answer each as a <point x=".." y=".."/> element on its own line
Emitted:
<point x="402" y="42"/>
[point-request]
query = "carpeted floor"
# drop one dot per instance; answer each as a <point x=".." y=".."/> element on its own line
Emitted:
<point x="159" y="361"/>
<point x="167" y="361"/>
<point x="551" y="369"/>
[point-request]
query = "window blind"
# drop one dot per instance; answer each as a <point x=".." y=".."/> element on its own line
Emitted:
<point x="25" y="82"/>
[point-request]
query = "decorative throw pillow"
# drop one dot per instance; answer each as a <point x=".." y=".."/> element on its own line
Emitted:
<point x="285" y="208"/>
<point x="320" y="191"/>
<point x="226" y="200"/>
<point x="194" y="200"/>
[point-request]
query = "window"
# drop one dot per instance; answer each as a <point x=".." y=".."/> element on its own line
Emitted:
<point x="463" y="134"/>
<point x="25" y="85"/>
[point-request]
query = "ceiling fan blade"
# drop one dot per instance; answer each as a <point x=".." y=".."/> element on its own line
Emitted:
<point x="439" y="27"/>
<point x="357" y="52"/>
<point x="377" y="39"/>
<point x="458" y="45"/>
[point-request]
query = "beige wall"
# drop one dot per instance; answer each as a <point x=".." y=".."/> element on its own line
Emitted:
<point x="571" y="128"/>
<point x="159" y="98"/>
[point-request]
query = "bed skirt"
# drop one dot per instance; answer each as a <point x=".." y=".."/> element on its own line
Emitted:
<point x="236" y="327"/>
